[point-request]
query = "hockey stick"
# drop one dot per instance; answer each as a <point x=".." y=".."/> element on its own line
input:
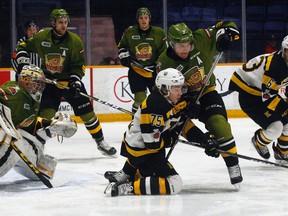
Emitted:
<point x="236" y="155"/>
<point x="8" y="127"/>
<point x="91" y="97"/>
<point x="218" y="57"/>
<point x="147" y="68"/>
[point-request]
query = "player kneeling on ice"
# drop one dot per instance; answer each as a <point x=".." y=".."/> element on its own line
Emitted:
<point x="19" y="104"/>
<point x="157" y="125"/>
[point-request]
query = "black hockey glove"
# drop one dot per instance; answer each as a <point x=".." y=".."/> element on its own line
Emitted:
<point x="125" y="58"/>
<point x="75" y="87"/>
<point x="211" y="145"/>
<point x="192" y="110"/>
<point x="225" y="37"/>
<point x="170" y="138"/>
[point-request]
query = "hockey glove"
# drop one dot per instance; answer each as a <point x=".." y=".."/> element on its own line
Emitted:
<point x="170" y="138"/>
<point x="225" y="37"/>
<point x="210" y="145"/>
<point x="192" y="110"/>
<point x="75" y="86"/>
<point x="125" y="58"/>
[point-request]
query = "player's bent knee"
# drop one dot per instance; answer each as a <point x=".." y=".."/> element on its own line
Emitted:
<point x="274" y="130"/>
<point x="175" y="183"/>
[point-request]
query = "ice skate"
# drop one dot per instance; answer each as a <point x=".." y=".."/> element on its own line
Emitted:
<point x="278" y="155"/>
<point x="235" y="176"/>
<point x="120" y="189"/>
<point x="262" y="151"/>
<point x="106" y="149"/>
<point x="114" y="176"/>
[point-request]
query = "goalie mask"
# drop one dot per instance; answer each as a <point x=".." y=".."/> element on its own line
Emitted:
<point x="32" y="79"/>
<point x="167" y="78"/>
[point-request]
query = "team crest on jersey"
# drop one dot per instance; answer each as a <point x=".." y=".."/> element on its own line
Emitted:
<point x="13" y="89"/>
<point x="195" y="78"/>
<point x="143" y="51"/>
<point x="54" y="62"/>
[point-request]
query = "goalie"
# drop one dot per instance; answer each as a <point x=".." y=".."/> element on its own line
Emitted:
<point x="23" y="98"/>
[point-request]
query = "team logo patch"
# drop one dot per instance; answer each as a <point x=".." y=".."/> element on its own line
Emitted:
<point x="143" y="51"/>
<point x="195" y="78"/>
<point x="54" y="62"/>
<point x="13" y="89"/>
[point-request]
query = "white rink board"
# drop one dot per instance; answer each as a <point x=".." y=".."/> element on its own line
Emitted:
<point x="111" y="85"/>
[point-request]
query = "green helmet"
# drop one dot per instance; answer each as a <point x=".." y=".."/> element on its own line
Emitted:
<point x="59" y="13"/>
<point x="143" y="11"/>
<point x="180" y="33"/>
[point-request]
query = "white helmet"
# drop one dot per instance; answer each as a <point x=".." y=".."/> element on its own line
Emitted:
<point x="167" y="78"/>
<point x="284" y="44"/>
<point x="32" y="79"/>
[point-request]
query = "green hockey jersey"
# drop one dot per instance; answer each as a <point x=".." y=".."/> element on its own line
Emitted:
<point x="144" y="46"/>
<point x="61" y="58"/>
<point x="24" y="109"/>
<point x="199" y="62"/>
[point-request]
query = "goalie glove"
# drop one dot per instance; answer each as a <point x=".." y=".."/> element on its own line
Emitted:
<point x="225" y="37"/>
<point x="61" y="125"/>
<point x="125" y="58"/>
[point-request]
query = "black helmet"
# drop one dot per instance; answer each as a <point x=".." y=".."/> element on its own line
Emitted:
<point x="30" y="24"/>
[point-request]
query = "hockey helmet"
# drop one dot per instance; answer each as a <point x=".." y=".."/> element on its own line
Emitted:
<point x="143" y="11"/>
<point x="59" y="13"/>
<point x="30" y="24"/>
<point x="32" y="79"/>
<point x="180" y="33"/>
<point x="167" y="78"/>
<point x="284" y="44"/>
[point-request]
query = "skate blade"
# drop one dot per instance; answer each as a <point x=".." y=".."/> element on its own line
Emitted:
<point x="108" y="188"/>
<point x="237" y="186"/>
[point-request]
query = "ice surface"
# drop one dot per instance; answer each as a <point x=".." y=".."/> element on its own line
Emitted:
<point x="207" y="189"/>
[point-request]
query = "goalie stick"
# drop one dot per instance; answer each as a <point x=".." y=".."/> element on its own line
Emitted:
<point x="8" y="127"/>
<point x="236" y="155"/>
<point x="91" y="97"/>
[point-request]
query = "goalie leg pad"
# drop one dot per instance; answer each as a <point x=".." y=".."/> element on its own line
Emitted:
<point x="47" y="165"/>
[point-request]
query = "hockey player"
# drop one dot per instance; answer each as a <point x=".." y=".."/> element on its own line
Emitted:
<point x="23" y="100"/>
<point x="139" y="48"/>
<point x="63" y="60"/>
<point x="155" y="127"/>
<point x="258" y="82"/>
<point x="192" y="54"/>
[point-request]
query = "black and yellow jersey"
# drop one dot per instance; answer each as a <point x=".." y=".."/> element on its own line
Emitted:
<point x="263" y="76"/>
<point x="152" y="119"/>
